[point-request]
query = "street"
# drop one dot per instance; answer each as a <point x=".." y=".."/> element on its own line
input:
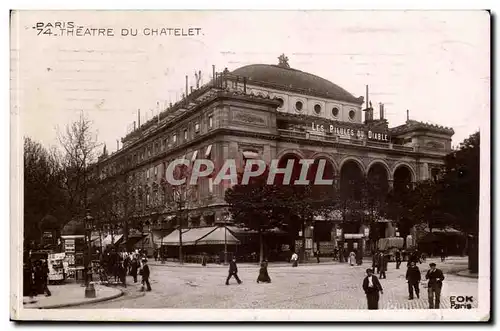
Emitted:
<point x="309" y="286"/>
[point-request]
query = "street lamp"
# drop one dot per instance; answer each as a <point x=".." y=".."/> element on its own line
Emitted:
<point x="180" y="196"/>
<point x="225" y="238"/>
<point x="89" y="286"/>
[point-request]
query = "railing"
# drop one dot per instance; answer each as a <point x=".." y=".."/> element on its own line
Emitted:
<point x="333" y="138"/>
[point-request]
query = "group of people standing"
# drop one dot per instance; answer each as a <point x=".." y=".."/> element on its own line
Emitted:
<point x="119" y="265"/>
<point x="373" y="288"/>
<point x="35" y="278"/>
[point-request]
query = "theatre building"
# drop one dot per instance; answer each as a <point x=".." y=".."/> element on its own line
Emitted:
<point x="276" y="112"/>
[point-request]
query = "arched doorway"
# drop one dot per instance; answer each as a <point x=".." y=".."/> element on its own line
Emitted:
<point x="403" y="182"/>
<point x="351" y="176"/>
<point x="282" y="164"/>
<point x="351" y="208"/>
<point x="402" y="179"/>
<point x="321" y="176"/>
<point x="378" y="186"/>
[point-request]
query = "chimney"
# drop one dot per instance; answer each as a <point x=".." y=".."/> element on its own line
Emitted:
<point x="134" y="125"/>
<point x="367" y="98"/>
<point x="187" y="91"/>
<point x="407" y="114"/>
<point x="191" y="89"/>
<point x="213" y="74"/>
<point x="381" y="105"/>
<point x="117" y="144"/>
<point x="138" y="118"/>
<point x="245" y="85"/>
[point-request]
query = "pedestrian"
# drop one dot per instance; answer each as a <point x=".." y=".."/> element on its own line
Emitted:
<point x="263" y="274"/>
<point x="134" y="267"/>
<point x="372" y="288"/>
<point x="398" y="258"/>
<point x="375" y="258"/>
<point x="443" y="255"/>
<point x="204" y="260"/>
<point x="44" y="274"/>
<point x="341" y="254"/>
<point x="435" y="277"/>
<point x="352" y="258"/>
<point x="233" y="271"/>
<point x="123" y="272"/>
<point x="294" y="259"/>
<point x="413" y="278"/>
<point x="382" y="265"/>
<point x="145" y="275"/>
<point x="317" y="255"/>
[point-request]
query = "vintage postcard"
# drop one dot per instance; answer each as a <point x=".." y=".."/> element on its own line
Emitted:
<point x="250" y="165"/>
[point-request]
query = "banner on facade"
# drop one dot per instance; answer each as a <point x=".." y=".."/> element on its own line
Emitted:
<point x="353" y="235"/>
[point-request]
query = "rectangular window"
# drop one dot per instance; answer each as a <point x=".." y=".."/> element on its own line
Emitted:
<point x="147" y="174"/>
<point x="210" y="121"/>
<point x="165" y="142"/>
<point x="185" y="134"/>
<point x="149" y="151"/>
<point x="156" y="172"/>
<point x="197" y="127"/>
<point x="174" y="138"/>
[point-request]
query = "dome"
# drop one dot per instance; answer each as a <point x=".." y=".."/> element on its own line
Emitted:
<point x="283" y="77"/>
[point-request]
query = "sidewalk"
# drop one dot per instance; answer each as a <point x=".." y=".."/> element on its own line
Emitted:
<point x="312" y="262"/>
<point x="367" y="261"/>
<point x="67" y="295"/>
<point x="467" y="273"/>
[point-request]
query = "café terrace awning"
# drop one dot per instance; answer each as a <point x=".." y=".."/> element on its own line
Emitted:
<point x="201" y="236"/>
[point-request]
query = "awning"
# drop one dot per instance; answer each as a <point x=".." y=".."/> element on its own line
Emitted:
<point x="208" y="151"/>
<point x="218" y="236"/>
<point x="195" y="155"/>
<point x="107" y="240"/>
<point x="211" y="235"/>
<point x="173" y="238"/>
<point x="250" y="155"/>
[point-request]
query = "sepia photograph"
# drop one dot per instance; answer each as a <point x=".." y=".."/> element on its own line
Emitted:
<point x="250" y="165"/>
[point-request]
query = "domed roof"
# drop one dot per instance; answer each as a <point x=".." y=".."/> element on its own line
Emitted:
<point x="283" y="77"/>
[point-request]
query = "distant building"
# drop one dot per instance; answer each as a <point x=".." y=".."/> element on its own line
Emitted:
<point x="275" y="112"/>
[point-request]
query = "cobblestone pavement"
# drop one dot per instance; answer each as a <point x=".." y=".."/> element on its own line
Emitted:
<point x="336" y="286"/>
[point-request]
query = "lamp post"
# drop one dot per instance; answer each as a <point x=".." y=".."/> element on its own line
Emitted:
<point x="225" y="239"/>
<point x="179" y="195"/>
<point x="89" y="286"/>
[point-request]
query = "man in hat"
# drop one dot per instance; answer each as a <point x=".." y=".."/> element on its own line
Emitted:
<point x="145" y="274"/>
<point x="413" y="278"/>
<point x="372" y="287"/>
<point x="435" y="277"/>
<point x="233" y="271"/>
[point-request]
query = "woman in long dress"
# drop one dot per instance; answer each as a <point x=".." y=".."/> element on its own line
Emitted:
<point x="263" y="274"/>
<point x="352" y="258"/>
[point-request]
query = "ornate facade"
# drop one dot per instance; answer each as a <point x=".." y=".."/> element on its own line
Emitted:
<point x="273" y="112"/>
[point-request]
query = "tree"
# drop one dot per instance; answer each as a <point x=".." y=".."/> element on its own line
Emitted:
<point x="461" y="185"/>
<point x="178" y="198"/>
<point x="43" y="192"/>
<point x="257" y="205"/>
<point x="79" y="143"/>
<point x="461" y="192"/>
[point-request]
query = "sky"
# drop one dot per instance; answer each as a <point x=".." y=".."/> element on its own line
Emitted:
<point x="436" y="64"/>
